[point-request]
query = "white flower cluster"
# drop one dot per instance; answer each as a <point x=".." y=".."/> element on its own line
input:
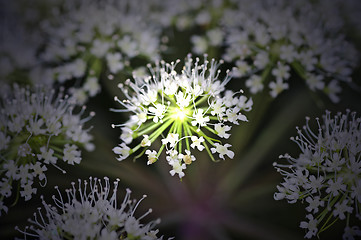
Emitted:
<point x="91" y="212"/>
<point x="185" y="14"/>
<point x="184" y="110"/>
<point x="270" y="40"/>
<point x="327" y="174"/>
<point x="275" y="37"/>
<point x="18" y="61"/>
<point x="93" y="38"/>
<point x="37" y="128"/>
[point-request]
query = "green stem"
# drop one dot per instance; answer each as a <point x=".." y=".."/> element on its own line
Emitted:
<point x="299" y="69"/>
<point x="179" y="131"/>
<point x="160" y="150"/>
<point x="17" y="195"/>
<point x="187" y="132"/>
<point x="155" y="134"/>
<point x="211" y="130"/>
<point x="202" y="99"/>
<point x="324" y="227"/>
<point x="209" y="152"/>
<point x="150" y="126"/>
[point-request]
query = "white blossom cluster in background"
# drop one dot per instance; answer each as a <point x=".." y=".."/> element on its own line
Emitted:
<point x="18" y="60"/>
<point x="269" y="41"/>
<point x="185" y="14"/>
<point x="88" y="39"/>
<point x="187" y="111"/>
<point x="38" y="129"/>
<point x="91" y="211"/>
<point x="326" y="175"/>
<point x="30" y="12"/>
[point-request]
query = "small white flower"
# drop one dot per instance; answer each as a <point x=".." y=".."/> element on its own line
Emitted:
<point x="199" y="118"/>
<point x="183" y="100"/>
<point x="114" y="63"/>
<point x="261" y="60"/>
<point x="277" y="87"/>
<point x="47" y="155"/>
<point x="221" y="130"/>
<point x="127" y="135"/>
<point x="99" y="48"/>
<point x="123" y="151"/>
<point x="145" y="142"/>
<point x="71" y="154"/>
<point x="314" y="204"/>
<point x="233" y="115"/>
<point x="200" y="44"/>
<point x="288" y="53"/>
<point x="177" y="168"/>
<point x="28" y="190"/>
<point x="141" y="118"/>
<point x="341" y="209"/>
<point x="311" y="226"/>
<point x="24" y="150"/>
<point x="39" y="170"/>
<point x="172" y="139"/>
<point x="254" y="83"/>
<point x="351" y="233"/>
<point x="172" y="156"/>
<point x="133" y="227"/>
<point x="158" y="112"/>
<point x="152" y="156"/>
<point x="315" y="82"/>
<point x="332" y="89"/>
<point x="335" y="186"/>
<point x="34" y="127"/>
<point x="5" y="189"/>
<point x="197" y="142"/>
<point x="242" y="69"/>
<point x="92" y="86"/>
<point x="11" y="169"/>
<point x="223" y="150"/>
<point x="218" y="108"/>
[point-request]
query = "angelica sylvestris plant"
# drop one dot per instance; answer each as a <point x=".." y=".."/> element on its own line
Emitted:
<point x="86" y="48"/>
<point x="38" y="129"/>
<point x="186" y="111"/>
<point x="326" y="176"/>
<point x="91" y="211"/>
<point x="273" y="42"/>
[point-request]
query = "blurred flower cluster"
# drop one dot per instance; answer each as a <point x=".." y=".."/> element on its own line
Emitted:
<point x="37" y="129"/>
<point x="177" y="86"/>
<point x="93" y="214"/>
<point x="326" y="174"/>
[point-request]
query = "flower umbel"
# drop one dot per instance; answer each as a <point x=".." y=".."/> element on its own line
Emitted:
<point x="270" y="42"/>
<point x="327" y="174"/>
<point x="185" y="110"/>
<point x="91" y="212"/>
<point x="37" y="128"/>
<point x="84" y="48"/>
